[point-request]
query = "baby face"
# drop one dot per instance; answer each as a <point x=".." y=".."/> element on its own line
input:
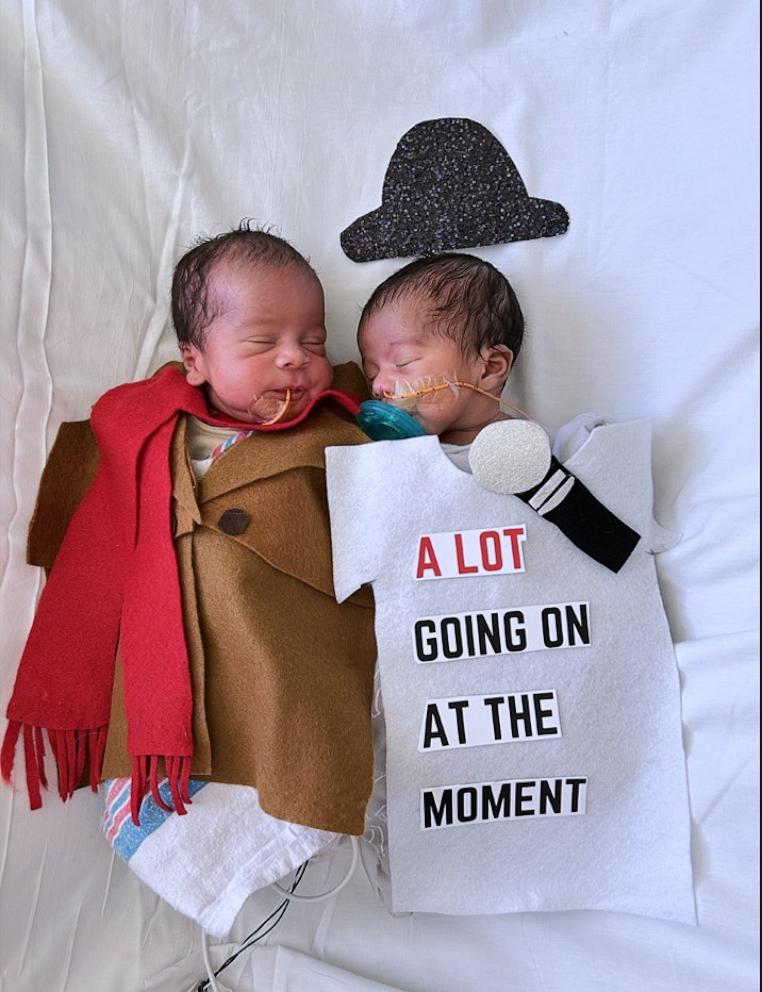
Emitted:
<point x="267" y="340"/>
<point x="398" y="350"/>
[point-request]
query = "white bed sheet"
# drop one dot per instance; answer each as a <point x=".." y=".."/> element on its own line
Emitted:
<point x="130" y="127"/>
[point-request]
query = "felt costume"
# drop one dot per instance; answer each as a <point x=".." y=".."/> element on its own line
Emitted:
<point x="534" y="754"/>
<point x="279" y="677"/>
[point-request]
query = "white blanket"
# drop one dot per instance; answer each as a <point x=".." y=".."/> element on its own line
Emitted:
<point x="207" y="865"/>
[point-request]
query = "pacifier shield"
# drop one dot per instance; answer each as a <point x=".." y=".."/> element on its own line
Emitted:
<point x="384" y="422"/>
<point x="510" y="456"/>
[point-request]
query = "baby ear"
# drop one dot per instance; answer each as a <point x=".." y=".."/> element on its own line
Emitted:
<point x="193" y="360"/>
<point x="498" y="362"/>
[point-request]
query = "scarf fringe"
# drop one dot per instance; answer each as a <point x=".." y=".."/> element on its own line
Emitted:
<point x="71" y="750"/>
<point x="145" y="781"/>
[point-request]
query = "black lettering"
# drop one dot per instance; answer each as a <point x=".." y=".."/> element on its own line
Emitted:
<point x="425" y="650"/>
<point x="540" y="714"/>
<point x="450" y="652"/>
<point x="524" y="715"/>
<point x="500" y="808"/>
<point x="578" y="624"/>
<point x="468" y="623"/>
<point x="441" y="816"/>
<point x="486" y="633"/>
<point x="520" y="799"/>
<point x="549" y="797"/>
<point x="467" y="816"/>
<point x="494" y="702"/>
<point x="434" y="728"/>
<point x="576" y="784"/>
<point x="515" y="637"/>
<point x="552" y="640"/>
<point x="459" y="705"/>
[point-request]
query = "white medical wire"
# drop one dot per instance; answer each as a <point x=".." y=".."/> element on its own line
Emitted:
<point x="213" y="985"/>
<point x="331" y="892"/>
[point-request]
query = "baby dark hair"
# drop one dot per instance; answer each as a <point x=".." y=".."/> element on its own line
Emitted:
<point x="469" y="300"/>
<point x="194" y="307"/>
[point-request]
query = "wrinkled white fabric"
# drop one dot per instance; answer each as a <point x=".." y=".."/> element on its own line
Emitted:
<point x="130" y="128"/>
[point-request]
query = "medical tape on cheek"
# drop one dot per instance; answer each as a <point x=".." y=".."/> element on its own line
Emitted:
<point x="440" y="389"/>
<point x="427" y="390"/>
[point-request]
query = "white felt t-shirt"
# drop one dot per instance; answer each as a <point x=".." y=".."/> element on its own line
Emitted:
<point x="534" y="750"/>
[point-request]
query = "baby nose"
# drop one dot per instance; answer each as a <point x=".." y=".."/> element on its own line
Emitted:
<point x="291" y="355"/>
<point x="383" y="385"/>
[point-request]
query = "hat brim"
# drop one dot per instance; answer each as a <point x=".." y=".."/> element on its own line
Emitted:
<point x="389" y="232"/>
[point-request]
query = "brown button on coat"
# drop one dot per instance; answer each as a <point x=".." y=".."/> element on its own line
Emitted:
<point x="281" y="674"/>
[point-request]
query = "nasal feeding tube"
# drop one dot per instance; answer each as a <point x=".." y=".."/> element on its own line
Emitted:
<point x="394" y="417"/>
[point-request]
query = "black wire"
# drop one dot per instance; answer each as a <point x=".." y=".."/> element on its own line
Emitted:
<point x="247" y="942"/>
<point x="279" y="912"/>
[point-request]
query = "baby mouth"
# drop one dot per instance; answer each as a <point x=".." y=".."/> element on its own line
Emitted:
<point x="275" y="405"/>
<point x="289" y="393"/>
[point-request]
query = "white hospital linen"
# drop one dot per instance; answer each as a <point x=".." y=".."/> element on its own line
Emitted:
<point x="642" y="119"/>
<point x="617" y="698"/>
<point x="207" y="864"/>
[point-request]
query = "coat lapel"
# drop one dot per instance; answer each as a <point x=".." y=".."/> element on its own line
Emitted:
<point x="271" y="453"/>
<point x="273" y="486"/>
<point x="187" y="513"/>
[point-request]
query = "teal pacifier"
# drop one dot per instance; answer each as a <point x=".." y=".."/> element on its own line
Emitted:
<point x="384" y="422"/>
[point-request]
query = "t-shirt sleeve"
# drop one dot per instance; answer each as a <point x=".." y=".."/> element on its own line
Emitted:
<point x="353" y="503"/>
<point x="625" y="454"/>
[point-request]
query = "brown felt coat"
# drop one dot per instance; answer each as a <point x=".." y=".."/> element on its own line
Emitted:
<point x="281" y="674"/>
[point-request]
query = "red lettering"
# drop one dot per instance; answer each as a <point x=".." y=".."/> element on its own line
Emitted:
<point x="496" y="562"/>
<point x="427" y="558"/>
<point x="516" y="536"/>
<point x="463" y="569"/>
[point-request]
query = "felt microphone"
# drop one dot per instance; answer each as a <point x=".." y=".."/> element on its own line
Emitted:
<point x="514" y="456"/>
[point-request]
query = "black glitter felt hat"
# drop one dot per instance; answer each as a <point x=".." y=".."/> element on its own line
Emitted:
<point x="450" y="184"/>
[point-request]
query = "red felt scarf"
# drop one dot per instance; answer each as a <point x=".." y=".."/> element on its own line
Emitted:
<point x="115" y="582"/>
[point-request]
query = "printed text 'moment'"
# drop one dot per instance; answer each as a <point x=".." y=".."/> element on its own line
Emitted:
<point x="482" y="802"/>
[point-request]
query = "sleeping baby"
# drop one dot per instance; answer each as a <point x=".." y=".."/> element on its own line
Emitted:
<point x="527" y="680"/>
<point x="188" y="633"/>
